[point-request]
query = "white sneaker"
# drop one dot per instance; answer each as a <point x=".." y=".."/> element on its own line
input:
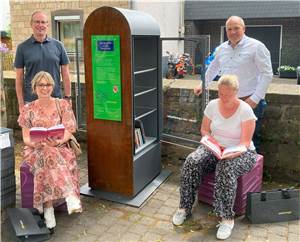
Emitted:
<point x="179" y="217"/>
<point x="224" y="230"/>
<point x="73" y="205"/>
<point x="49" y="217"/>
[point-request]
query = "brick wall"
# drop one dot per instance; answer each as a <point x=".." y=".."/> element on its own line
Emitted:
<point x="21" y="11"/>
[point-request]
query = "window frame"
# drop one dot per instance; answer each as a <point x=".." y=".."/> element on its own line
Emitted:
<point x="66" y="15"/>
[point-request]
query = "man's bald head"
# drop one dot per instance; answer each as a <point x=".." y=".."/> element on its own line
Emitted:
<point x="235" y="29"/>
<point x="235" y="19"/>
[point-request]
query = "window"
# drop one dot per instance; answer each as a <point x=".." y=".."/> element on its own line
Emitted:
<point x="67" y="26"/>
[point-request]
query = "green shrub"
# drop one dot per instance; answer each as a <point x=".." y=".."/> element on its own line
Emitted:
<point x="286" y="68"/>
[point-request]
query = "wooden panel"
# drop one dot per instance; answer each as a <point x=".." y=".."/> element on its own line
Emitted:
<point x="110" y="143"/>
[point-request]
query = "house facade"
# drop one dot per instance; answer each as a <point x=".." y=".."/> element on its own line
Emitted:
<point x="66" y="18"/>
<point x="275" y="23"/>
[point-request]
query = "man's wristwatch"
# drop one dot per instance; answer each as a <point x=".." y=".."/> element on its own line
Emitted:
<point x="68" y="97"/>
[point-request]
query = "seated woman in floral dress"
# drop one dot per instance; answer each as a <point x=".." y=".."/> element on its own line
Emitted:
<point x="53" y="164"/>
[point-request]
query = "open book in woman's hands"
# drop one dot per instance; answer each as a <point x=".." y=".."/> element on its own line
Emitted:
<point x="218" y="150"/>
<point x="40" y="133"/>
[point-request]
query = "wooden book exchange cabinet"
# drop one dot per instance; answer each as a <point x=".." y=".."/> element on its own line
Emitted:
<point x="122" y="53"/>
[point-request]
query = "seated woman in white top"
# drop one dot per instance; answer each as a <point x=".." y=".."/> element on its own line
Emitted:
<point x="231" y="122"/>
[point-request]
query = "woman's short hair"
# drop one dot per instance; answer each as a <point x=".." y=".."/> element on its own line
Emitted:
<point x="230" y="81"/>
<point x="38" y="77"/>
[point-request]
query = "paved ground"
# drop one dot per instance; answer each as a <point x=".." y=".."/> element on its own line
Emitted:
<point x="107" y="221"/>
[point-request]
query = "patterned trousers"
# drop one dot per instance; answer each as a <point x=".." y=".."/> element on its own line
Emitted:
<point x="201" y="162"/>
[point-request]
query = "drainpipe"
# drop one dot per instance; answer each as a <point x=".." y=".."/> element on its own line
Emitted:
<point x="131" y="4"/>
<point x="180" y="44"/>
<point x="181" y="19"/>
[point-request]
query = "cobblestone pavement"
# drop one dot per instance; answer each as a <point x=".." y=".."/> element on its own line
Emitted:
<point x="108" y="221"/>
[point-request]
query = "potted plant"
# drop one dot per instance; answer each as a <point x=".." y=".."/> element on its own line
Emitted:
<point x="287" y="71"/>
<point x="198" y="69"/>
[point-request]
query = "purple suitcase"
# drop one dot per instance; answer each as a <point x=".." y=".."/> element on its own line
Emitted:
<point x="27" y="189"/>
<point x="250" y="182"/>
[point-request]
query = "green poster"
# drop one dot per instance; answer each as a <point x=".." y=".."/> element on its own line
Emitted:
<point x="106" y="77"/>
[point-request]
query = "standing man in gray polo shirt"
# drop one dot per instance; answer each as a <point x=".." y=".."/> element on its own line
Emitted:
<point x="40" y="53"/>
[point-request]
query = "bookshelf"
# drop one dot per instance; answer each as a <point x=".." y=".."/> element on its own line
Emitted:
<point x="115" y="163"/>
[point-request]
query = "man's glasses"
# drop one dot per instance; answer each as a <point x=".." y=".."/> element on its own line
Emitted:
<point x="44" y="85"/>
<point x="40" y="22"/>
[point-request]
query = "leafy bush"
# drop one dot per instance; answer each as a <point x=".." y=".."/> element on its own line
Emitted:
<point x="286" y="68"/>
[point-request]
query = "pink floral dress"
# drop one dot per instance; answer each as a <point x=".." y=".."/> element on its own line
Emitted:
<point x="55" y="170"/>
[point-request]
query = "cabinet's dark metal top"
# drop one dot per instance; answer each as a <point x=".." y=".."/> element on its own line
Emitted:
<point x="140" y="23"/>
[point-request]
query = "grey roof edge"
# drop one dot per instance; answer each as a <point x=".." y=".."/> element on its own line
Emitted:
<point x="214" y="10"/>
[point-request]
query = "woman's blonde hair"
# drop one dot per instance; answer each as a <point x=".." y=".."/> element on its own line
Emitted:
<point x="38" y="77"/>
<point x="230" y="81"/>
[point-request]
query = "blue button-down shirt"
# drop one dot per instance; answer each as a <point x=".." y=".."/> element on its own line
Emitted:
<point x="250" y="60"/>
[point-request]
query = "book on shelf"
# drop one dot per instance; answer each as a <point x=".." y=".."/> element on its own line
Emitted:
<point x="40" y="133"/>
<point x="138" y="138"/>
<point x="218" y="150"/>
<point x="136" y="141"/>
<point x="139" y="124"/>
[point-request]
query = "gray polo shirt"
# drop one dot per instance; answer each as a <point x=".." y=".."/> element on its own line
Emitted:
<point x="35" y="56"/>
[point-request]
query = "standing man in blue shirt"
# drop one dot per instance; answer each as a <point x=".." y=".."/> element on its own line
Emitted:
<point x="250" y="60"/>
<point x="40" y="53"/>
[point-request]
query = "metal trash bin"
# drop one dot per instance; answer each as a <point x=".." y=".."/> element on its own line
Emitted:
<point x="7" y="167"/>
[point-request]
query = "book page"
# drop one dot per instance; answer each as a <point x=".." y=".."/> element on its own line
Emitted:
<point x="233" y="149"/>
<point x="59" y="126"/>
<point x="212" y="145"/>
<point x="38" y="129"/>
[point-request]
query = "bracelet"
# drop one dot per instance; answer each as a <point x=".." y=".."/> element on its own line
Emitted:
<point x="67" y="97"/>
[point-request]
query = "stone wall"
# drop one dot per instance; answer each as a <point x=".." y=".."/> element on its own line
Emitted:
<point x="11" y="104"/>
<point x="280" y="131"/>
<point x="281" y="136"/>
<point x="182" y="117"/>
